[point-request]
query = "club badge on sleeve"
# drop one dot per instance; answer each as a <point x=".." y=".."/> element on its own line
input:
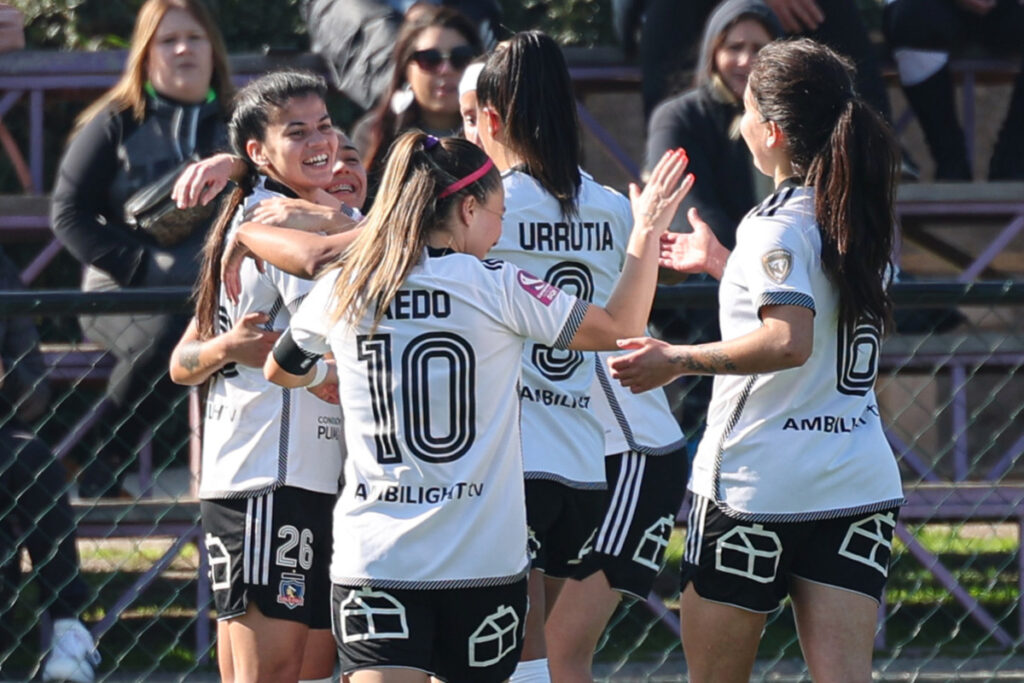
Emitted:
<point x="777" y="265"/>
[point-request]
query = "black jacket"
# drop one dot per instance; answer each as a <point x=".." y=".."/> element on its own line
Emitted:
<point x="699" y="121"/>
<point x="111" y="158"/>
<point x="724" y="187"/>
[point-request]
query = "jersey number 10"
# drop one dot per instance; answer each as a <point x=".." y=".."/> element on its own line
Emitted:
<point x="443" y="436"/>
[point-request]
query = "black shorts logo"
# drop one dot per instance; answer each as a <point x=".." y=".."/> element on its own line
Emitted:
<point x="869" y="541"/>
<point x="751" y="552"/>
<point x="291" y="591"/>
<point x="651" y="549"/>
<point x="367" y="614"/>
<point x="220" y="563"/>
<point x="496" y="636"/>
<point x="532" y="545"/>
<point x="586" y="549"/>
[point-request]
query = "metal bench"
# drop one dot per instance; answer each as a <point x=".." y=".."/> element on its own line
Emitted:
<point x="946" y="220"/>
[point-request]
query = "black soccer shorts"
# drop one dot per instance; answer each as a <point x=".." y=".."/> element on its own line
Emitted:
<point x="645" y="494"/>
<point x="462" y="635"/>
<point x="273" y="550"/>
<point x="749" y="564"/>
<point x="561" y="522"/>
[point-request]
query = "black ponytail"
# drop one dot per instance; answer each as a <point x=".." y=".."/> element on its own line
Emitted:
<point x="250" y="116"/>
<point x="846" y="152"/>
<point x="526" y="80"/>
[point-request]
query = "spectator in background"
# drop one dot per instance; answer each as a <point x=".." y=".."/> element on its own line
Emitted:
<point x="705" y="122"/>
<point x="705" y="119"/>
<point x="12" y="28"/>
<point x="670" y="30"/>
<point x="34" y="508"/>
<point x="169" y="105"/>
<point x="921" y="34"/>
<point x="433" y="49"/>
<point x="357" y="37"/>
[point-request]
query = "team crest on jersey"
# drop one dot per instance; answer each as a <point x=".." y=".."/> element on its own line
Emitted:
<point x="777" y="264"/>
<point x="291" y="591"/>
<point x="537" y="288"/>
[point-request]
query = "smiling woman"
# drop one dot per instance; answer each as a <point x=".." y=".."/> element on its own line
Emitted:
<point x="433" y="49"/>
<point x="264" y="449"/>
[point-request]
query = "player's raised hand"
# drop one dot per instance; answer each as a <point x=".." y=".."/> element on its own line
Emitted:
<point x="693" y="252"/>
<point x="656" y="205"/>
<point x="648" y="367"/>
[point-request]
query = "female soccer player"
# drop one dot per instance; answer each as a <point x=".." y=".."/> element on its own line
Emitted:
<point x="268" y="233"/>
<point x="796" y="490"/>
<point x="430" y="539"/>
<point x="572" y="232"/>
<point x="271" y="457"/>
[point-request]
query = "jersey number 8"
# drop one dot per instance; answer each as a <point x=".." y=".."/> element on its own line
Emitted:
<point x="558" y="365"/>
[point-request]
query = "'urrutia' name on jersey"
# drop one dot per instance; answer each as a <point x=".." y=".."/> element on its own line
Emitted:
<point x="566" y="236"/>
<point x="418" y="304"/>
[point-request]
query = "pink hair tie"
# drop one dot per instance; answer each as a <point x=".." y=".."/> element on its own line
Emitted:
<point x="467" y="181"/>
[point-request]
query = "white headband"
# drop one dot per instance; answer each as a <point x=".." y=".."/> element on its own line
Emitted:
<point x="469" y="78"/>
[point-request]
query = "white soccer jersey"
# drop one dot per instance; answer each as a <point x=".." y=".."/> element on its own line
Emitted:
<point x="562" y="437"/>
<point x="633" y="422"/>
<point x="258" y="436"/>
<point x="637" y="422"/>
<point x="804" y="443"/>
<point x="433" y="494"/>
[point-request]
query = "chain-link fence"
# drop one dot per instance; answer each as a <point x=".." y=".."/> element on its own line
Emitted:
<point x="950" y="392"/>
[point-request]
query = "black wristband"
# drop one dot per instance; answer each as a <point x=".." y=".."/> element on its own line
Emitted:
<point x="291" y="358"/>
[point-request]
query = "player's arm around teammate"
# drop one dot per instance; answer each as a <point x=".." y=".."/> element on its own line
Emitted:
<point x="271" y="459"/>
<point x="803" y="306"/>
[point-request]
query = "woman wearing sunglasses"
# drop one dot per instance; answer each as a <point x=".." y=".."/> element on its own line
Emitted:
<point x="434" y="47"/>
